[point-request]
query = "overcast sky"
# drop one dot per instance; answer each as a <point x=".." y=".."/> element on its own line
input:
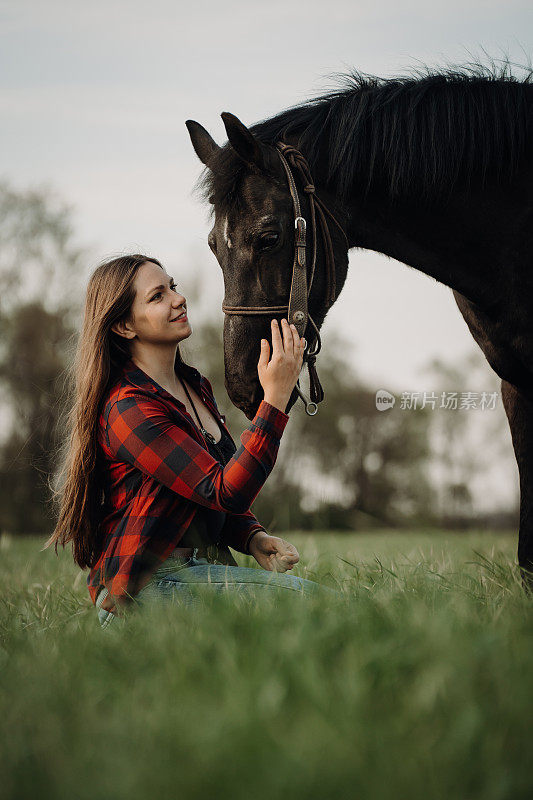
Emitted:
<point x="94" y="96"/>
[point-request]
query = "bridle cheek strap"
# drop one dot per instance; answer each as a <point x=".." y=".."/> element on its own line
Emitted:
<point x="297" y="309"/>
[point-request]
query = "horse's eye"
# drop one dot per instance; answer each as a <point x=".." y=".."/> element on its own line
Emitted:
<point x="267" y="241"/>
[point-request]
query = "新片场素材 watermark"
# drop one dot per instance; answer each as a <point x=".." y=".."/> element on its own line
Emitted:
<point x="450" y="401"/>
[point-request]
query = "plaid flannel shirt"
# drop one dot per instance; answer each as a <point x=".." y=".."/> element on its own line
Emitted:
<point x="157" y="471"/>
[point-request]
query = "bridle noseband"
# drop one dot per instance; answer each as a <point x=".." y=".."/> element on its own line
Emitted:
<point x="297" y="309"/>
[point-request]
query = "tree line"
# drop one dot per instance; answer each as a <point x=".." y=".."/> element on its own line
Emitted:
<point x="350" y="467"/>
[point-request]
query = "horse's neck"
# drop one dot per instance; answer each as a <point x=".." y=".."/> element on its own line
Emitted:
<point x="459" y="242"/>
<point x="405" y="234"/>
<point x="451" y="242"/>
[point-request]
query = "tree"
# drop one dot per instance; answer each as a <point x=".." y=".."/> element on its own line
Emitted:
<point x="472" y="464"/>
<point x="40" y="280"/>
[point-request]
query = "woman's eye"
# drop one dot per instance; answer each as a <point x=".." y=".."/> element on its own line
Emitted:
<point x="173" y="287"/>
<point x="268" y="240"/>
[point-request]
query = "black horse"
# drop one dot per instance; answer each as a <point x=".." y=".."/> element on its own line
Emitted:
<point x="434" y="170"/>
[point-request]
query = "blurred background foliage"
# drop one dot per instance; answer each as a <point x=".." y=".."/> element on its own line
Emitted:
<point x="350" y="467"/>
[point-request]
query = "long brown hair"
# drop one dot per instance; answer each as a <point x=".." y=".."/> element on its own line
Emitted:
<point x="100" y="356"/>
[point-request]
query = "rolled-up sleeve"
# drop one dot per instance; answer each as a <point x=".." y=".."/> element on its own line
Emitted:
<point x="140" y="432"/>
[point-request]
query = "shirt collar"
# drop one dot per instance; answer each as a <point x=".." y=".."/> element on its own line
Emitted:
<point x="136" y="376"/>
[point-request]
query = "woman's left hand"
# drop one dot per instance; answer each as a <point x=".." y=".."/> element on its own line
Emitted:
<point x="273" y="553"/>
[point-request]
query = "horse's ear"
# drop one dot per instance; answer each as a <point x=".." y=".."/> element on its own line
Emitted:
<point x="204" y="145"/>
<point x="243" y="141"/>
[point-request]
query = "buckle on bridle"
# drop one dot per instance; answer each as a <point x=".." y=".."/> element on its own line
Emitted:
<point x="310" y="407"/>
<point x="300" y="226"/>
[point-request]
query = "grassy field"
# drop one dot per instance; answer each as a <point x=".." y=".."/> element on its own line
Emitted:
<point x="417" y="683"/>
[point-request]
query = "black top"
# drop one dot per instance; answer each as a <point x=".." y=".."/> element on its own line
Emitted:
<point x="207" y="524"/>
<point x="205" y="529"/>
<point x="223" y="449"/>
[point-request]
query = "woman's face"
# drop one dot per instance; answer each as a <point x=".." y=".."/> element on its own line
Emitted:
<point x="155" y="309"/>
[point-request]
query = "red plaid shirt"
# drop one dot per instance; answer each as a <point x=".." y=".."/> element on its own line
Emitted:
<point x="157" y="471"/>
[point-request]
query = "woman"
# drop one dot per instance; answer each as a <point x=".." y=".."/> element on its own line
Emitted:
<point x="153" y="488"/>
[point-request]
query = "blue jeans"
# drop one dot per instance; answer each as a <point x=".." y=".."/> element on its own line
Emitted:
<point x="178" y="579"/>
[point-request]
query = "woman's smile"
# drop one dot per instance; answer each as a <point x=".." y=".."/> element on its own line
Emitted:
<point x="181" y="318"/>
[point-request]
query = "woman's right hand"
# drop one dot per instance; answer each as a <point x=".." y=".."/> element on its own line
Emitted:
<point x="278" y="375"/>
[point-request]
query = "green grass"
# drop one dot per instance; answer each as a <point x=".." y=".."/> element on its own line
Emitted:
<point x="416" y="684"/>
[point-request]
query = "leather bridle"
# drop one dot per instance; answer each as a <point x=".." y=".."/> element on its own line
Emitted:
<point x="297" y="309"/>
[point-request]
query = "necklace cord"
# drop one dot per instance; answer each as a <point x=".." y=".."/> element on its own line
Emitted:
<point x="205" y="433"/>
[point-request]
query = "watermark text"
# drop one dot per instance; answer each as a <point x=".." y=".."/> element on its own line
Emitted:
<point x="450" y="401"/>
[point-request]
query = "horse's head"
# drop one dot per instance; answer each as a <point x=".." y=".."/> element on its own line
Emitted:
<point x="253" y="239"/>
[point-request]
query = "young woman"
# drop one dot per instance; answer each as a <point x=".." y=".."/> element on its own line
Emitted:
<point x="153" y="488"/>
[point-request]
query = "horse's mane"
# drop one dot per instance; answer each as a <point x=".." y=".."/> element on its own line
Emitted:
<point x="420" y="135"/>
